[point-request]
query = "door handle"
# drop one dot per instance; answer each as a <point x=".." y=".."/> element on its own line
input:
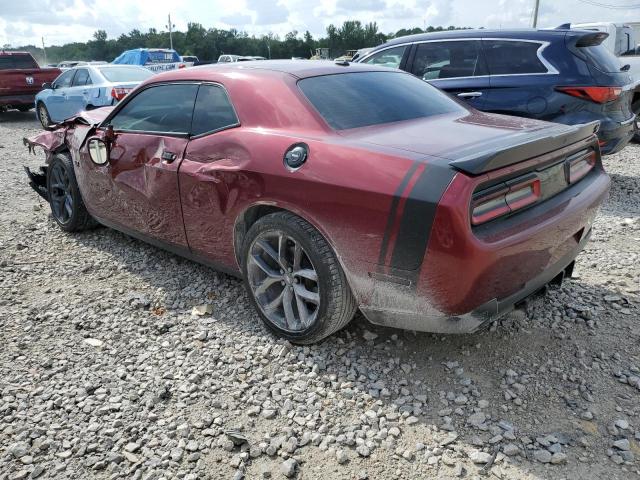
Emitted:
<point x="168" y="157"/>
<point x="84" y="92"/>
<point x="470" y="94"/>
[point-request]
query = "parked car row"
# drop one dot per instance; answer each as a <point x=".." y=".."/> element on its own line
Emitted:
<point x="330" y="187"/>
<point x="21" y="78"/>
<point x="561" y="75"/>
<point x="85" y="88"/>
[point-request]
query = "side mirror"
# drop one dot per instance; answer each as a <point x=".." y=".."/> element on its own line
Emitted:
<point x="47" y="86"/>
<point x="98" y="151"/>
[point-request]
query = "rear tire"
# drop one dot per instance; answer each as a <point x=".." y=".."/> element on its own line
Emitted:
<point x="43" y="115"/>
<point x="67" y="206"/>
<point x="294" y="279"/>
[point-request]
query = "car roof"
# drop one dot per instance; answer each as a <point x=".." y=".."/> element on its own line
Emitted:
<point x="525" y="33"/>
<point x="296" y="68"/>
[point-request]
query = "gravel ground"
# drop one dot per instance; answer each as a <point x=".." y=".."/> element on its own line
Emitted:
<point x="106" y="373"/>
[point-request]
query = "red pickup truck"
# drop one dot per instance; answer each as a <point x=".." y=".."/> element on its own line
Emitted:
<point x="20" y="79"/>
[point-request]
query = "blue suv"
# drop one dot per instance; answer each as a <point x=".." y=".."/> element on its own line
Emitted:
<point x="564" y="76"/>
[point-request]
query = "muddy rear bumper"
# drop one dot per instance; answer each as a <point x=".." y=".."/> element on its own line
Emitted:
<point x="426" y="318"/>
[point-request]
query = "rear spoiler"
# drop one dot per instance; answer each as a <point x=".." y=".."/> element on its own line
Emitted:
<point x="504" y="152"/>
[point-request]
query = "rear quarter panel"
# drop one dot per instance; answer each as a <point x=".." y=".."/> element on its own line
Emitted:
<point x="344" y="192"/>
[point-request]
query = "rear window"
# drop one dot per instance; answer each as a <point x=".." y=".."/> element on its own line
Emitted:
<point x="601" y="58"/>
<point x="125" y="74"/>
<point x="213" y="111"/>
<point x="513" y="57"/>
<point x="353" y="100"/>
<point x="10" y="62"/>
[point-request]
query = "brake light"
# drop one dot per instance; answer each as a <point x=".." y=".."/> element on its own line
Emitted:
<point x="182" y="65"/>
<point x="504" y="199"/>
<point x="119" y="93"/>
<point x="578" y="168"/>
<point x="593" y="94"/>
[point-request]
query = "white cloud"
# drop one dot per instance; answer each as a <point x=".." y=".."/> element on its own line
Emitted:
<point x="60" y="21"/>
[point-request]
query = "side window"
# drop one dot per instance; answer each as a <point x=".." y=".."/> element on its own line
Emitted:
<point x="512" y="57"/>
<point x="213" y="110"/>
<point x="64" y="80"/>
<point x="161" y="109"/>
<point x="435" y="60"/>
<point x="391" y="57"/>
<point x="82" y="78"/>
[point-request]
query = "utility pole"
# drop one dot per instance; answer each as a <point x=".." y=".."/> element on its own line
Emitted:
<point x="45" y="52"/>
<point x="535" y="14"/>
<point x="171" y="26"/>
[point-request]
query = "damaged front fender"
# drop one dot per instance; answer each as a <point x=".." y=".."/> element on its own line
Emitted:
<point x="61" y="137"/>
<point x="55" y="138"/>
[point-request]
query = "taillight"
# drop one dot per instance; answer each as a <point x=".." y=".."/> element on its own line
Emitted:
<point x="503" y="199"/>
<point x="577" y="168"/>
<point x="119" y="93"/>
<point x="182" y="65"/>
<point x="593" y="94"/>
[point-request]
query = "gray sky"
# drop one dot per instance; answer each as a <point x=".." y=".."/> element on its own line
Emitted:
<point x="62" y="21"/>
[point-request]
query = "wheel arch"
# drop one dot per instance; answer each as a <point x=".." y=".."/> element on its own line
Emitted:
<point x="256" y="211"/>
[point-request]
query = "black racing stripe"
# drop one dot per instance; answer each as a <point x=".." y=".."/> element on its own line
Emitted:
<point x="392" y="212"/>
<point x="418" y="215"/>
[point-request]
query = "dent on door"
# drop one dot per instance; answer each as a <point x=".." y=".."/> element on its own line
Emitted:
<point x="145" y="186"/>
<point x="214" y="183"/>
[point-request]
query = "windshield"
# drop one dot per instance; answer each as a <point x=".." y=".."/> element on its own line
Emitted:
<point x="125" y="74"/>
<point x="353" y="100"/>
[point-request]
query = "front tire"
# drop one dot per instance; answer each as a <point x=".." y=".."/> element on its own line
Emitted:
<point x="294" y="279"/>
<point x="66" y="203"/>
<point x="24" y="108"/>
<point x="43" y="116"/>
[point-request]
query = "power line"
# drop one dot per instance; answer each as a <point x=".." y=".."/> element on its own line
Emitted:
<point x="607" y="5"/>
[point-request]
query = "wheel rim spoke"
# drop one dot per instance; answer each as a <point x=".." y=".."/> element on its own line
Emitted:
<point x="275" y="303"/>
<point x="297" y="256"/>
<point x="302" y="310"/>
<point x="282" y="251"/>
<point x="269" y="250"/>
<point x="60" y="194"/>
<point x="307" y="273"/>
<point x="271" y="273"/>
<point x="262" y="287"/>
<point x="283" y="280"/>
<point x="289" y="315"/>
<point x="311" y="297"/>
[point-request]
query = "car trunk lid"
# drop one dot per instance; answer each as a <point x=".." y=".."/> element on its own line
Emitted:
<point x="475" y="143"/>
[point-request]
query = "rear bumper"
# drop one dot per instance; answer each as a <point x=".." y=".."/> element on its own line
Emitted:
<point x="614" y="136"/>
<point x="469" y="277"/>
<point x="491" y="310"/>
<point x="17" y="100"/>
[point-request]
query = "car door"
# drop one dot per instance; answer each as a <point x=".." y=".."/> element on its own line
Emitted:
<point x="137" y="189"/>
<point x="78" y="93"/>
<point x="522" y="81"/>
<point x="455" y="66"/>
<point x="211" y="182"/>
<point x="56" y="102"/>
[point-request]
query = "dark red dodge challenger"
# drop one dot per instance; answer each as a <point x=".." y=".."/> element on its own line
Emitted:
<point x="331" y="187"/>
